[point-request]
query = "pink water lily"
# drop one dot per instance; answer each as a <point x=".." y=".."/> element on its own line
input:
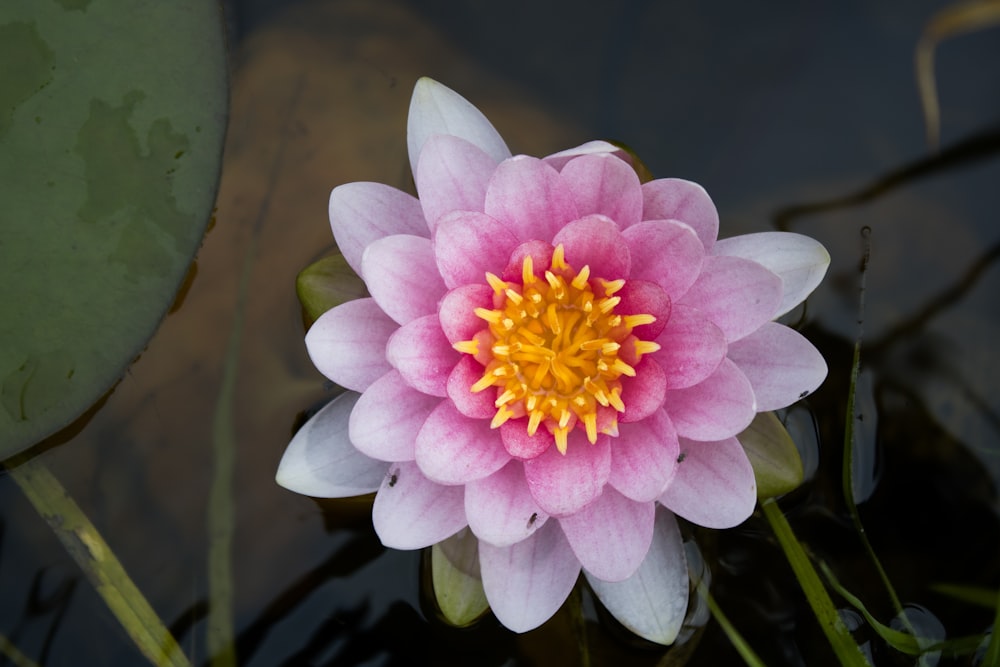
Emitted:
<point x="556" y="356"/>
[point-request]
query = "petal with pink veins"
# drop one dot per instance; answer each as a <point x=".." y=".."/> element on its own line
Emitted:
<point x="451" y="176"/>
<point x="541" y="259"/>
<point x="780" y="363"/>
<point x="666" y="252"/>
<point x="467" y="244"/>
<point x="527" y="582"/>
<point x="737" y="294"/>
<point x="478" y="405"/>
<point x="714" y="484"/>
<point x="648" y="298"/>
<point x="529" y="198"/>
<point x="562" y="484"/>
<point x="800" y="262"/>
<point x="677" y="199"/>
<point x="595" y="241"/>
<point x="611" y="535"/>
<point x="643" y="457"/>
<point x="402" y="276"/>
<point x="385" y="421"/>
<point x="457" y="311"/>
<point x="454" y="449"/>
<point x="604" y="184"/>
<point x="691" y="347"/>
<point x="437" y="109"/>
<point x="347" y="343"/>
<point x="643" y="394"/>
<point x="422" y="355"/>
<point x="720" y="406"/>
<point x="412" y="512"/>
<point x="321" y="461"/>
<point x="522" y="446"/>
<point x="653" y="601"/>
<point x="361" y="213"/>
<point x="500" y="508"/>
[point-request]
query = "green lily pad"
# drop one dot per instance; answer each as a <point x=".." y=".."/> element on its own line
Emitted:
<point x="776" y="463"/>
<point x="112" y="118"/>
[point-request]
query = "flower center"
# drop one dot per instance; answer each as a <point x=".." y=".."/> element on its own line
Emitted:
<point x="555" y="349"/>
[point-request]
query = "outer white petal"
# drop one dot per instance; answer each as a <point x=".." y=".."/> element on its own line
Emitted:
<point x="527" y="582"/>
<point x="799" y="261"/>
<point x="652" y="602"/>
<point x="321" y="461"/>
<point x="714" y="485"/>
<point x="437" y="109"/>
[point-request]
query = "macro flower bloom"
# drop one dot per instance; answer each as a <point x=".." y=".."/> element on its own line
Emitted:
<point x="556" y="356"/>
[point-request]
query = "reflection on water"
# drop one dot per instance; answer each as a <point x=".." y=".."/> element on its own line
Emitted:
<point x="770" y="109"/>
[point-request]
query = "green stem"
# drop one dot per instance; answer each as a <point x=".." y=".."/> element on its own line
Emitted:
<point x="735" y="638"/>
<point x="844" y="647"/>
<point x="85" y="544"/>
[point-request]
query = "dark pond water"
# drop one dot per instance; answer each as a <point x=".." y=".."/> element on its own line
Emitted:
<point x="799" y="115"/>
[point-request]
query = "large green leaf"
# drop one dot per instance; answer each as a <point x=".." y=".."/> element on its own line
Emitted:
<point x="112" y="115"/>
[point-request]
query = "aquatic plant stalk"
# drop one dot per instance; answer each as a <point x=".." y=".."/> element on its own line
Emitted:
<point x="844" y="647"/>
<point x="736" y="639"/>
<point x="85" y="544"/>
<point x="13" y="654"/>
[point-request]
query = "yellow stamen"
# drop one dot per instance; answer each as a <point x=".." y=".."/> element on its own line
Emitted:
<point x="551" y="349"/>
<point x="467" y="346"/>
<point x="498" y="285"/>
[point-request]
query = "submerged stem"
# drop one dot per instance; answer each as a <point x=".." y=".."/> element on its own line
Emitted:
<point x="85" y="544"/>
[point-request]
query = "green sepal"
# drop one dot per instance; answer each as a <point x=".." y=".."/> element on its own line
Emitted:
<point x="776" y="463"/>
<point x="327" y="283"/>
<point x="458" y="588"/>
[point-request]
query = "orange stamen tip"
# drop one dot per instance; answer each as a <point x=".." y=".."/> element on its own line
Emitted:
<point x="467" y="346"/>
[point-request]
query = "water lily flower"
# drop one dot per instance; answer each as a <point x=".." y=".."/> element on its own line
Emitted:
<point x="555" y="356"/>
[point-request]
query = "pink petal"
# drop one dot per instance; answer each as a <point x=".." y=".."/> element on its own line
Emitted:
<point x="611" y="535"/>
<point x="800" y="262"/>
<point x="604" y="184"/>
<point x="527" y="582"/>
<point x="691" y="347"/>
<point x="478" y="405"/>
<point x="451" y="176"/>
<point x="780" y="363"/>
<point x="645" y="297"/>
<point x="347" y="343"/>
<point x="500" y="508"/>
<point x="385" y="421"/>
<point x="437" y="109"/>
<point x="468" y="244"/>
<point x="666" y="252"/>
<point x="735" y="293"/>
<point x="527" y="196"/>
<point x="402" y="277"/>
<point x="676" y="199"/>
<point x="652" y="602"/>
<point x="643" y="394"/>
<point x="364" y="212"/>
<point x="412" y="512"/>
<point x="562" y="484"/>
<point x="719" y="407"/>
<point x="321" y="461"/>
<point x="643" y="457"/>
<point x="541" y="260"/>
<point x="560" y="159"/>
<point x="453" y="449"/>
<point x="596" y="242"/>
<point x="422" y="355"/>
<point x="714" y="484"/>
<point x="457" y="311"/>
<point x="522" y="446"/>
